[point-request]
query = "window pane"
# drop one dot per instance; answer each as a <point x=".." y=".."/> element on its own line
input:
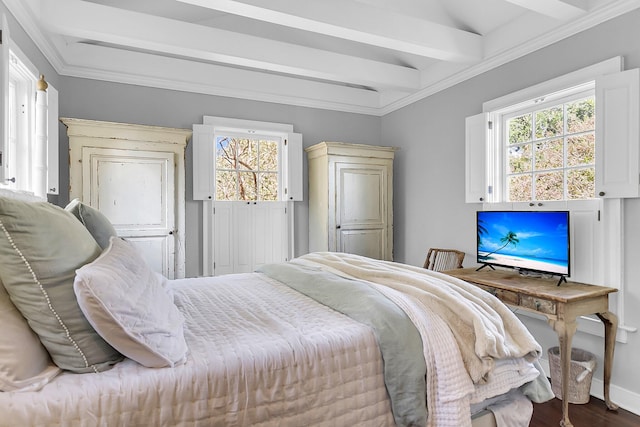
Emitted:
<point x="247" y="153"/>
<point x="225" y="153"/>
<point x="581" y="150"/>
<point x="549" y="122"/>
<point x="248" y="186"/>
<point x="581" y="115"/>
<point x="581" y="183"/>
<point x="269" y="156"/>
<point x="226" y="185"/>
<point x="268" y="186"/>
<point x="519" y="129"/>
<point x="549" y="154"/>
<point x="520" y="158"/>
<point x="549" y="186"/>
<point x="519" y="188"/>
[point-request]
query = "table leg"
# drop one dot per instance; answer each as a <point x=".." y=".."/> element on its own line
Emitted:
<point x="610" y="321"/>
<point x="565" y="330"/>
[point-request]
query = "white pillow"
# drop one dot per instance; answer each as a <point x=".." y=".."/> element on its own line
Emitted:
<point x="25" y="365"/>
<point x="127" y="304"/>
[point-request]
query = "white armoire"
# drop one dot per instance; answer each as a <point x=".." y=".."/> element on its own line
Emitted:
<point x="135" y="175"/>
<point x="351" y="199"/>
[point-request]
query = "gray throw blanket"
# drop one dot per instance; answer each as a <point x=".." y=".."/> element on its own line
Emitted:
<point x="399" y="340"/>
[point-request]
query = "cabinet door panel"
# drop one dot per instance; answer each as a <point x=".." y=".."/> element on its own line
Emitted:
<point x="361" y="217"/>
<point x="361" y="192"/>
<point x="369" y="243"/>
<point x="134" y="190"/>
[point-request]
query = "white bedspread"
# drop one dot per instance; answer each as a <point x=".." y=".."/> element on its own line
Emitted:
<point x="261" y="354"/>
<point x="474" y="346"/>
<point x="484" y="328"/>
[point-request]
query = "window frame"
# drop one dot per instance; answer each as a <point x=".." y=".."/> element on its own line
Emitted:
<point x="31" y="162"/>
<point x="280" y="138"/>
<point x="21" y="126"/>
<point x="579" y="80"/>
<point x="501" y="148"/>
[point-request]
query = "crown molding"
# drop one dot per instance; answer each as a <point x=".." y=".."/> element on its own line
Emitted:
<point x="607" y="12"/>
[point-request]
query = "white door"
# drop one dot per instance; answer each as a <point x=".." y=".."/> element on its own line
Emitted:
<point x="247" y="235"/>
<point x="361" y="210"/>
<point x="135" y="190"/>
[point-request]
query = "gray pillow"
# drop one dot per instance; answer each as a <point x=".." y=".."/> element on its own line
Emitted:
<point x="41" y="246"/>
<point x="98" y="225"/>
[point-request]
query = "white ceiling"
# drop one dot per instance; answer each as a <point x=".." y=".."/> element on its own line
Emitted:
<point x="365" y="56"/>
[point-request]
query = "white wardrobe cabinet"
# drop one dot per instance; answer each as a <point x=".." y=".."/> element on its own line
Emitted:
<point x="134" y="174"/>
<point x="351" y="199"/>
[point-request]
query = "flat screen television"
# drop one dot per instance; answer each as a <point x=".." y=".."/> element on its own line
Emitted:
<point x="529" y="241"/>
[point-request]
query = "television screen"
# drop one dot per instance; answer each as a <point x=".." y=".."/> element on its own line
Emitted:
<point x="525" y="240"/>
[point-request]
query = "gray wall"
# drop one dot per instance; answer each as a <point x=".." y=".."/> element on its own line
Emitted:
<point x="98" y="100"/>
<point x="429" y="180"/>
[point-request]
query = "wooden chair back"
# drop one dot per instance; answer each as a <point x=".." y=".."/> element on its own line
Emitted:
<point x="443" y="259"/>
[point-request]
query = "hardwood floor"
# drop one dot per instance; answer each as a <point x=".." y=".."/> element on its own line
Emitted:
<point x="592" y="414"/>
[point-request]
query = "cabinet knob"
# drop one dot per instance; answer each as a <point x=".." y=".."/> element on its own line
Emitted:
<point x="481" y="199"/>
<point x="337" y="226"/>
<point x="601" y="193"/>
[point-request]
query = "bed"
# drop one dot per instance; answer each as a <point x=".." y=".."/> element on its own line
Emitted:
<point x="326" y="339"/>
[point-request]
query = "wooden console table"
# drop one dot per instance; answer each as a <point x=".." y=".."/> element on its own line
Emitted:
<point x="561" y="305"/>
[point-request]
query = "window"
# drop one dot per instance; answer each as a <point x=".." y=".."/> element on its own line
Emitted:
<point x="549" y="147"/>
<point x="238" y="160"/>
<point x="247" y="167"/>
<point x="20" y="125"/>
<point x="570" y="143"/>
<point x="29" y="125"/>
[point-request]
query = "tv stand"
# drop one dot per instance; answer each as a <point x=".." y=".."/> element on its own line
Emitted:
<point x="485" y="265"/>
<point x="561" y="306"/>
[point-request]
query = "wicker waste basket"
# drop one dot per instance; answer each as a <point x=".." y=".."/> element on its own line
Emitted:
<point x="583" y="364"/>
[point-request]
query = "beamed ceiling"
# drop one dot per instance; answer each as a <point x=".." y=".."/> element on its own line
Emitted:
<point x="364" y="56"/>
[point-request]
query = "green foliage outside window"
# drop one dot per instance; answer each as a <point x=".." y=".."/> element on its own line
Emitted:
<point x="551" y="153"/>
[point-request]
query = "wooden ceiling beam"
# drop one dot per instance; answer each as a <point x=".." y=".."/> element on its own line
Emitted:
<point x="361" y="23"/>
<point x="136" y="31"/>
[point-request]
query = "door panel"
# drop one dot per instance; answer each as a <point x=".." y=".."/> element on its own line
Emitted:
<point x="223" y="242"/>
<point x="242" y="237"/>
<point x="361" y="217"/>
<point x="361" y="195"/>
<point x="134" y="189"/>
<point x="270" y="222"/>
<point x="149" y="248"/>
<point x="124" y="183"/>
<point x="363" y="242"/>
<point x="249" y="234"/>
